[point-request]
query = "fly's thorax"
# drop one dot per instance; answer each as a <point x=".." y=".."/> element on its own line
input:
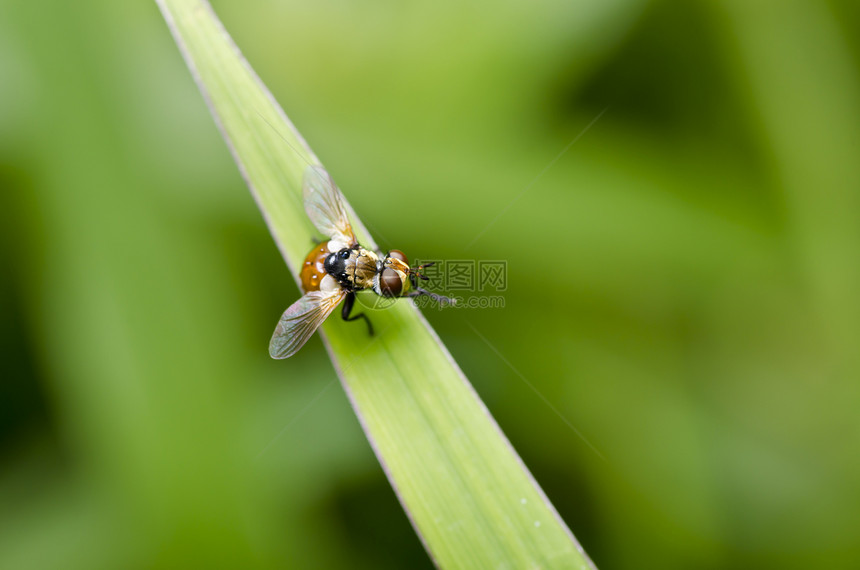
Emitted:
<point x="366" y="264"/>
<point x="352" y="267"/>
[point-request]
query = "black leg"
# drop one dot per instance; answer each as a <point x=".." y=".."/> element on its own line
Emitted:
<point x="347" y="309"/>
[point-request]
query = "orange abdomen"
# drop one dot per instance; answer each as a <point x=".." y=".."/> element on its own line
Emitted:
<point x="312" y="269"/>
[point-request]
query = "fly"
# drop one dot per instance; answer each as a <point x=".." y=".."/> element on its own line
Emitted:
<point x="335" y="270"/>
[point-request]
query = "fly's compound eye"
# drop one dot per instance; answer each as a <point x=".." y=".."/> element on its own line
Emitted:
<point x="397" y="254"/>
<point x="344" y="253"/>
<point x="390" y="283"/>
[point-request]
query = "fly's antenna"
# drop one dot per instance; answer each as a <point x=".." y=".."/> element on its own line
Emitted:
<point x="416" y="272"/>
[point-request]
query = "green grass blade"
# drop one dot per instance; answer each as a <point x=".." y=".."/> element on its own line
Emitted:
<point x="468" y="495"/>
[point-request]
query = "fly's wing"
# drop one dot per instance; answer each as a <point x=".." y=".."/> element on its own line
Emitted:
<point x="324" y="205"/>
<point x="299" y="322"/>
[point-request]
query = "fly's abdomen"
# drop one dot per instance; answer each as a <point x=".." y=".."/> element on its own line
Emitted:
<point x="312" y="269"/>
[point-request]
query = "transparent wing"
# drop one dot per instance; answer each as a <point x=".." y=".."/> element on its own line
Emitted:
<point x="299" y="322"/>
<point x="324" y="205"/>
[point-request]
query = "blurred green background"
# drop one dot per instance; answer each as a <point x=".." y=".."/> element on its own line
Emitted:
<point x="682" y="282"/>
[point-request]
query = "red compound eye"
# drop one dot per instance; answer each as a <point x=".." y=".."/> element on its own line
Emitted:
<point x="397" y="254"/>
<point x="390" y="283"/>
